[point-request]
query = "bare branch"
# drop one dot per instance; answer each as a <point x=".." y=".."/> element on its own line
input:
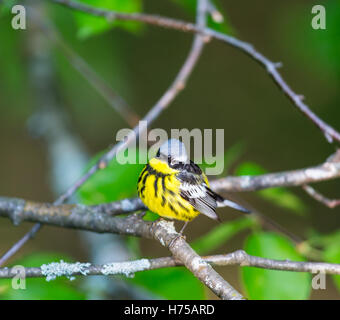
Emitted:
<point x="272" y="68"/>
<point x="325" y="171"/>
<point x="72" y="216"/>
<point x="239" y="258"/>
<point x="19" y="209"/>
<point x="330" y="203"/>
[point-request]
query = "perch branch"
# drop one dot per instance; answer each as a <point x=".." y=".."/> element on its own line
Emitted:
<point x="325" y="171"/>
<point x="22" y="210"/>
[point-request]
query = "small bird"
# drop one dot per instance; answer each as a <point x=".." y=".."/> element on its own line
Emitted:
<point x="174" y="187"/>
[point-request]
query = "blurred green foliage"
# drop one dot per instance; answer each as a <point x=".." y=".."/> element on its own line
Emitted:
<point x="171" y="283"/>
<point x="271" y="284"/>
<point x="330" y="249"/>
<point x="117" y="181"/>
<point x="218" y="236"/>
<point x="89" y="25"/>
<point x="331" y="254"/>
<point x="320" y="44"/>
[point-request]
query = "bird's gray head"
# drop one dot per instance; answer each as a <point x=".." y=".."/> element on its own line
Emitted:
<point x="173" y="151"/>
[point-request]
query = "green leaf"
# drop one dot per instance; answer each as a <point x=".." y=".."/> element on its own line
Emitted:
<point x="250" y="169"/>
<point x="281" y="197"/>
<point x="220" y="235"/>
<point x="90" y="25"/>
<point x="190" y="7"/>
<point x="39" y="288"/>
<point x="150" y="216"/>
<point x="116" y="181"/>
<point x="171" y="283"/>
<point x="262" y="284"/>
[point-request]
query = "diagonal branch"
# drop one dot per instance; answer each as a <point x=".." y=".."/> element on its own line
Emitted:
<point x="271" y="67"/>
<point x="90" y="75"/>
<point x="330" y="203"/>
<point x="165" y="233"/>
<point x="175" y="88"/>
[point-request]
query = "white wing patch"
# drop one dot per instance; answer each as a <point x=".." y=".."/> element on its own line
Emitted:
<point x="194" y="190"/>
<point x="197" y="195"/>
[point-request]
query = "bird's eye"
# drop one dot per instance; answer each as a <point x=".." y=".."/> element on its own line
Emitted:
<point x="158" y="153"/>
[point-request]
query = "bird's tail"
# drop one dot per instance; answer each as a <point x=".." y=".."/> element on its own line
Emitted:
<point x="221" y="202"/>
<point x="231" y="204"/>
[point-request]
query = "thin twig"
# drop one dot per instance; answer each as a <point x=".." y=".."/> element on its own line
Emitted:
<point x="330" y="203"/>
<point x="78" y="63"/>
<point x="272" y="68"/>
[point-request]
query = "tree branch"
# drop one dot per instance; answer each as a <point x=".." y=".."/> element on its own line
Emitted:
<point x="271" y="67"/>
<point x="325" y="171"/>
<point x="330" y="203"/>
<point x="239" y="258"/>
